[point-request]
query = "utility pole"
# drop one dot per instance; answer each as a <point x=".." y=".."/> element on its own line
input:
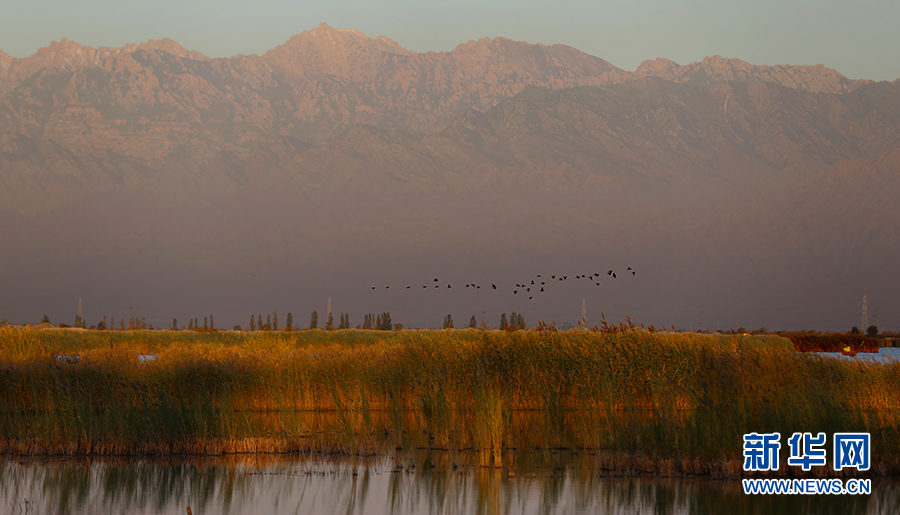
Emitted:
<point x="865" y="318"/>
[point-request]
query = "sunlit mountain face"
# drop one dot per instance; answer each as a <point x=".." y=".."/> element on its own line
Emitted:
<point x="155" y="178"/>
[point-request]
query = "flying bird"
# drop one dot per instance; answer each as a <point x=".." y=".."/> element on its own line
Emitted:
<point x="494" y="285"/>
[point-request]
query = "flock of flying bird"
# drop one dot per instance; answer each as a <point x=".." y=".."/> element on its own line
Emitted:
<point x="536" y="285"/>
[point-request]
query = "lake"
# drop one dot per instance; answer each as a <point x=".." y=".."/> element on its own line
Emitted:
<point x="884" y="355"/>
<point x="407" y="482"/>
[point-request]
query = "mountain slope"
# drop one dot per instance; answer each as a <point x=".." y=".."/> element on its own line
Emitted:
<point x="256" y="182"/>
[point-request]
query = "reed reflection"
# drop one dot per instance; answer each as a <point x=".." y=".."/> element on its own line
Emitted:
<point x="404" y="482"/>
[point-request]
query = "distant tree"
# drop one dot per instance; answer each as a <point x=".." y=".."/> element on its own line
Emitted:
<point x="369" y="321"/>
<point x="289" y="322"/>
<point x="122" y="324"/>
<point x="383" y="322"/>
<point x="472" y="323"/>
<point x="212" y="324"/>
<point x="268" y="326"/>
<point x="503" y="322"/>
<point x="205" y="323"/>
<point x="190" y="324"/>
<point x="101" y="325"/>
<point x="45" y="320"/>
<point x="174" y="324"/>
<point x="314" y="320"/>
<point x="329" y="323"/>
<point x="872" y="331"/>
<point x="345" y="321"/>
<point x="236" y="328"/>
<point x="252" y="323"/>
<point x="855" y="330"/>
<point x="275" y="320"/>
<point x="259" y="324"/>
<point x="448" y="322"/>
<point x="516" y="321"/>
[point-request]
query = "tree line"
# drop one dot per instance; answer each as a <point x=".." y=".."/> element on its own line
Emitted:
<point x="371" y="321"/>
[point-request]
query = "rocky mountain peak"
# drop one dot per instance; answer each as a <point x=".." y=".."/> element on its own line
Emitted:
<point x="329" y="51"/>
<point x="5" y="62"/>
<point x="171" y="47"/>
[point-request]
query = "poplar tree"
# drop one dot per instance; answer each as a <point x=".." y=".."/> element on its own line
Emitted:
<point x="329" y="324"/>
<point x="383" y="322"/>
<point x="275" y="320"/>
<point x="252" y="323"/>
<point x="472" y="323"/>
<point x="289" y="323"/>
<point x="314" y="320"/>
<point x="503" y="322"/>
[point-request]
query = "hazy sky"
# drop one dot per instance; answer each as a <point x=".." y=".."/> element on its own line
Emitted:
<point x="858" y="38"/>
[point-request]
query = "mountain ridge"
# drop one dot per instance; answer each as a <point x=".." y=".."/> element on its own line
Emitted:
<point x="735" y="190"/>
<point x="312" y="87"/>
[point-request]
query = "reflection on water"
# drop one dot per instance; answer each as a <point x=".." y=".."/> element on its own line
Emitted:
<point x="426" y="482"/>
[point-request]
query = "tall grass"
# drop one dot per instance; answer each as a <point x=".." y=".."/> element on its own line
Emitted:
<point x="680" y="399"/>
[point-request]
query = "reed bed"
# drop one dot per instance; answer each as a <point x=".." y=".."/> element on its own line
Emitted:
<point x="673" y="401"/>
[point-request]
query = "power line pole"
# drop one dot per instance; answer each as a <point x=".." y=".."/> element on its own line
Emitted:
<point x="865" y="318"/>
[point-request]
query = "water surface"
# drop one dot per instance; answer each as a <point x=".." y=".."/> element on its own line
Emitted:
<point x="417" y="482"/>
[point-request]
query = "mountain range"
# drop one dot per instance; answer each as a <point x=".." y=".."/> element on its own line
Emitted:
<point x="744" y="194"/>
